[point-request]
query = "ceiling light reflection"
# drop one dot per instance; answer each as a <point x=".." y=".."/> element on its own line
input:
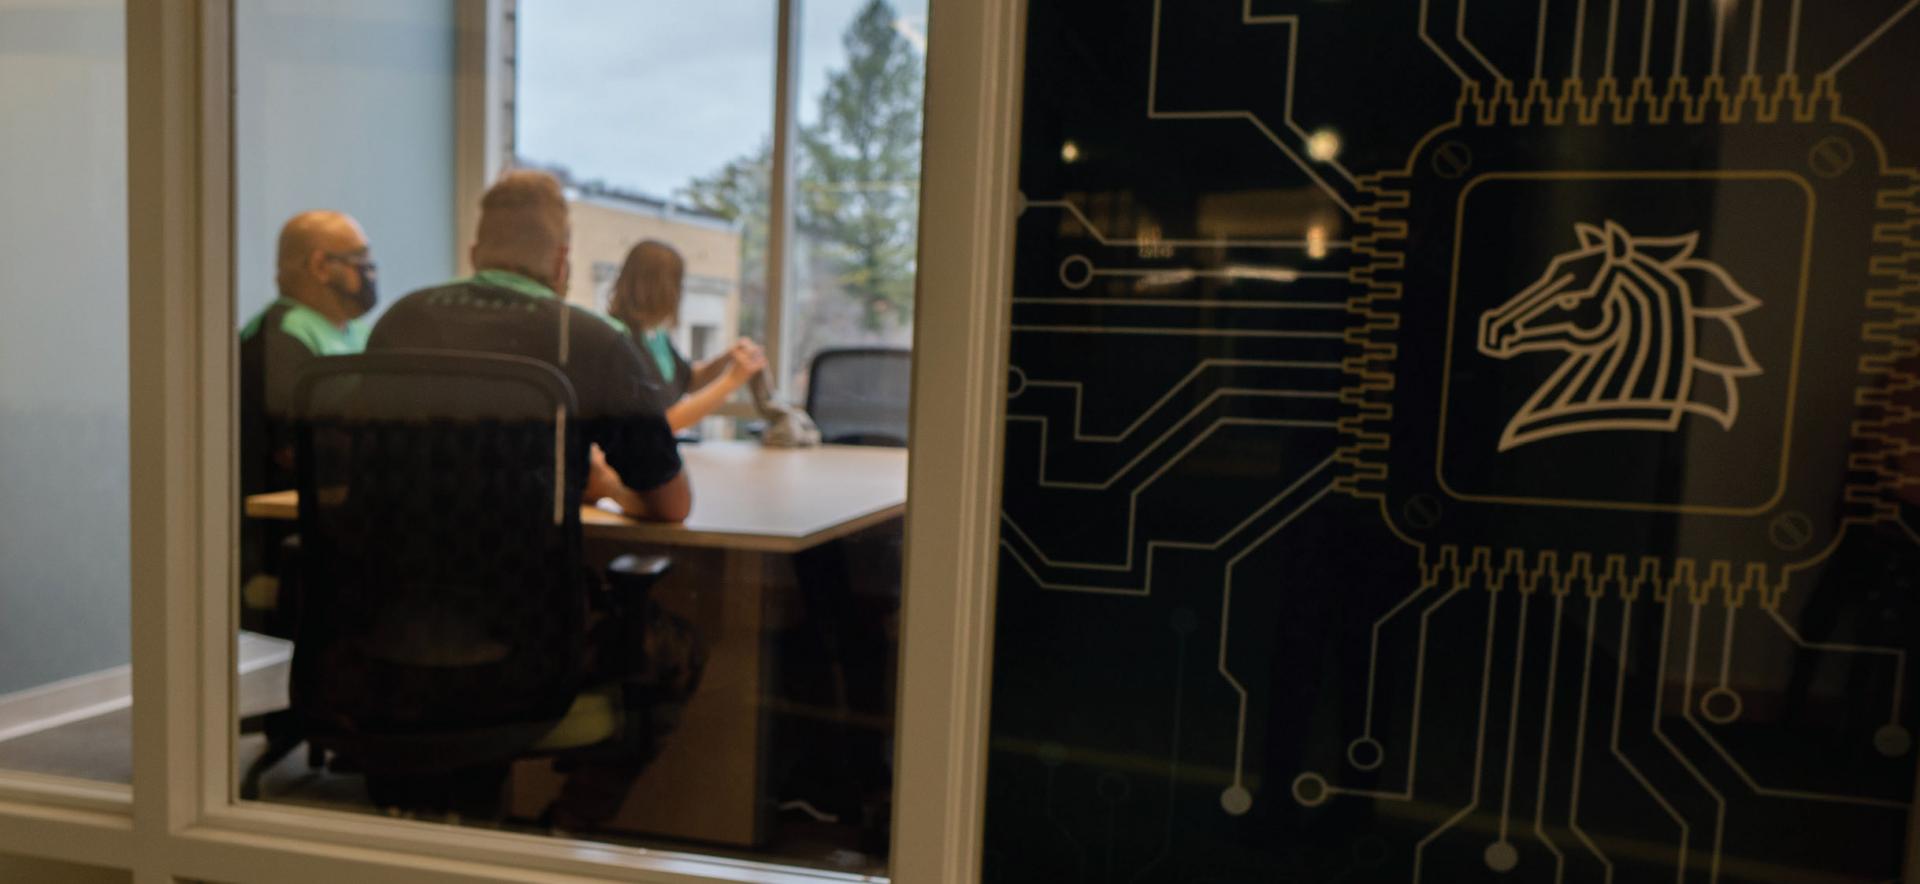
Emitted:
<point x="1323" y="145"/>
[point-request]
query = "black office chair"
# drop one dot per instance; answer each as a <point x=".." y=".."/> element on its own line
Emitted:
<point x="444" y="610"/>
<point x="859" y="395"/>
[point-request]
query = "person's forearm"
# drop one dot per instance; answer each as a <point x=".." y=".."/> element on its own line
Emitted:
<point x="629" y="501"/>
<point x="695" y="406"/>
<point x="708" y="371"/>
<point x="669" y="502"/>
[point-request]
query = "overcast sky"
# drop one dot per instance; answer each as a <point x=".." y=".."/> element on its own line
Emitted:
<point x="647" y="94"/>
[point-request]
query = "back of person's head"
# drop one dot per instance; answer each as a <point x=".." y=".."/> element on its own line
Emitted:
<point x="523" y="227"/>
<point x="647" y="294"/>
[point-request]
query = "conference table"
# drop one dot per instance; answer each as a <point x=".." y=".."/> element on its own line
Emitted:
<point x="753" y="507"/>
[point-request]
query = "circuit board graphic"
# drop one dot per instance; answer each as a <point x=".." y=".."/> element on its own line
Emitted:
<point x="1457" y="441"/>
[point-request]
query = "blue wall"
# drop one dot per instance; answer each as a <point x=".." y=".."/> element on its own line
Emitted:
<point x="63" y="337"/>
<point x="346" y="106"/>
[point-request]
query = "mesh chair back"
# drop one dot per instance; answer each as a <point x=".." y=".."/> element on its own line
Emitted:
<point x="859" y="395"/>
<point x="441" y="545"/>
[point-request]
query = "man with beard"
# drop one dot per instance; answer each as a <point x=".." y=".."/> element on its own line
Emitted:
<point x="325" y="275"/>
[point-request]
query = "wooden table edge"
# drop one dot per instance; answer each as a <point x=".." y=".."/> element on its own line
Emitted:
<point x="281" y="505"/>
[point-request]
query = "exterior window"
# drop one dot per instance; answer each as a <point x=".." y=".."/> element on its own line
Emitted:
<point x="857" y="183"/>
<point x="604" y="274"/>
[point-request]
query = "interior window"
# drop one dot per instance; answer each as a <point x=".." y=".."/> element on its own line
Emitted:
<point x="65" y="678"/>
<point x="542" y="543"/>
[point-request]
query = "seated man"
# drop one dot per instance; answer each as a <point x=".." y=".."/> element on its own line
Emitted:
<point x="325" y="277"/>
<point x="509" y="306"/>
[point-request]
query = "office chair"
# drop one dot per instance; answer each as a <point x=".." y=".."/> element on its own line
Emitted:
<point x="444" y="612"/>
<point x="858" y="395"/>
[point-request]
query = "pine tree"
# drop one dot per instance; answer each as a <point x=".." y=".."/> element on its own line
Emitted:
<point x="859" y="191"/>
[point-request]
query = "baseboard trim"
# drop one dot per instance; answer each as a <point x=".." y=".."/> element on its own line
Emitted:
<point x="85" y="696"/>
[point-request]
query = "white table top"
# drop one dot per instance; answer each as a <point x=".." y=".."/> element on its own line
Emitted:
<point x="745" y="497"/>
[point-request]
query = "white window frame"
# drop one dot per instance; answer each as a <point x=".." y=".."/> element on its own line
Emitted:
<point x="183" y="821"/>
<point x="780" y="206"/>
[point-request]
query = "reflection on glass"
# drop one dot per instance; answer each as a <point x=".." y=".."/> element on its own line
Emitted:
<point x="64" y="676"/>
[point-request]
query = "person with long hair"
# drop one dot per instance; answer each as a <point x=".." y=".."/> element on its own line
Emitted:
<point x="646" y="297"/>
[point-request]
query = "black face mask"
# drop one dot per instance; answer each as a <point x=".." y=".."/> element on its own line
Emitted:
<point x="367" y="296"/>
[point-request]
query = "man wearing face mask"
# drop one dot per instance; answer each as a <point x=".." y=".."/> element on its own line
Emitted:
<point x="325" y="275"/>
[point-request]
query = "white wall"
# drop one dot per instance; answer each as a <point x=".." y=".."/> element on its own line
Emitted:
<point x="63" y="340"/>
<point x="346" y="105"/>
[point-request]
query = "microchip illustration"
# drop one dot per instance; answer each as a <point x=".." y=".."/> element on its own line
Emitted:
<point x="1462" y="442"/>
<point x="1617" y="336"/>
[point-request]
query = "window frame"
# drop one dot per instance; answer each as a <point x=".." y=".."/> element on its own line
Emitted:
<point x="780" y="191"/>
<point x="184" y="820"/>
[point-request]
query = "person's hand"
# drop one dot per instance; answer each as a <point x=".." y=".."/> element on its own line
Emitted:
<point x="602" y="481"/>
<point x="744" y="361"/>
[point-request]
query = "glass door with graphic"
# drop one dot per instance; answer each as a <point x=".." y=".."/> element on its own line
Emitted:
<point x="1455" y="442"/>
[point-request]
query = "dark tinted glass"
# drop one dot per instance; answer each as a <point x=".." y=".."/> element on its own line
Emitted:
<point x="1459" y="442"/>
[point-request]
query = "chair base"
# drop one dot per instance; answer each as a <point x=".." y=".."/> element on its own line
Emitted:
<point x="284" y="734"/>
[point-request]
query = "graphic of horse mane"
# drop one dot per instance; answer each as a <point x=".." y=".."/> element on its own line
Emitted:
<point x="1651" y="333"/>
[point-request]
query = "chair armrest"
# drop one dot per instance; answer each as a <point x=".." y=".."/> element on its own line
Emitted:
<point x="630" y="579"/>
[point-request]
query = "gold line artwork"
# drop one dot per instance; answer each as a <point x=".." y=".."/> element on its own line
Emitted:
<point x="1651" y="332"/>
<point x="1576" y="393"/>
<point x="1464" y="332"/>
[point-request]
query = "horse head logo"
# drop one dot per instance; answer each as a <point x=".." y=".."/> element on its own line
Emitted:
<point x="1651" y="333"/>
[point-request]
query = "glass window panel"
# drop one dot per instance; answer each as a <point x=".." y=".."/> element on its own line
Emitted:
<point x="64" y="676"/>
<point x="659" y="117"/>
<point x="454" y="636"/>
<point x="857" y="185"/>
<point x="349" y="109"/>
<point x="679" y="153"/>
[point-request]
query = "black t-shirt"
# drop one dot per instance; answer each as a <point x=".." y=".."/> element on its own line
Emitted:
<point x="504" y="313"/>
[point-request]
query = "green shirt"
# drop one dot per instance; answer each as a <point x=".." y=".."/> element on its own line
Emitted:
<point x="306" y="325"/>
<point x="508" y="279"/>
<point x="529" y="286"/>
<point x="659" y="345"/>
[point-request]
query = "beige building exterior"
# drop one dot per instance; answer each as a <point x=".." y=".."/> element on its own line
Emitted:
<point x="608" y="223"/>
